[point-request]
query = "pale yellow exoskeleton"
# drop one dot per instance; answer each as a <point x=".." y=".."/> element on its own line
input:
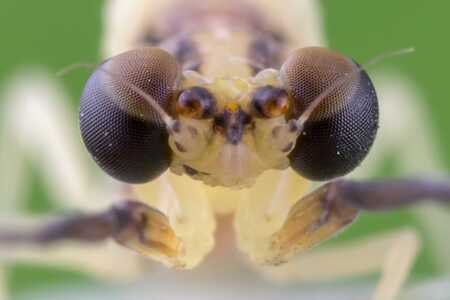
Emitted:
<point x="223" y="84"/>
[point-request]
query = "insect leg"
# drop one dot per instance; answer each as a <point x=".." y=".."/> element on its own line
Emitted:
<point x="336" y="204"/>
<point x="184" y="203"/>
<point x="97" y="259"/>
<point x="321" y="214"/>
<point x="327" y="210"/>
<point x="84" y="228"/>
<point x="133" y="224"/>
<point x="389" y="194"/>
<point x="391" y="254"/>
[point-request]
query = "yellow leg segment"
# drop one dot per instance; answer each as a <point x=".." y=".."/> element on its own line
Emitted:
<point x="184" y="207"/>
<point x="273" y="225"/>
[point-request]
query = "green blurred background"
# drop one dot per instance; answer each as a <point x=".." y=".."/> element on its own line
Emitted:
<point x="55" y="34"/>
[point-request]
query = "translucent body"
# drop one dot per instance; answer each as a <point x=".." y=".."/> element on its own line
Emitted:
<point x="223" y="199"/>
<point x="223" y="35"/>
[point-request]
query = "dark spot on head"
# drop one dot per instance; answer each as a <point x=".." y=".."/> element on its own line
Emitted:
<point x="265" y="51"/>
<point x="176" y="126"/>
<point x="187" y="54"/>
<point x="232" y="124"/>
<point x="151" y="38"/>
<point x="196" y="102"/>
<point x="192" y="172"/>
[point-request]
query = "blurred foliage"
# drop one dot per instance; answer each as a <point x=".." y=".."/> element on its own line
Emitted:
<point x="55" y="34"/>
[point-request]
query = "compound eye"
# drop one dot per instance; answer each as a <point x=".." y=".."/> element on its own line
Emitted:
<point x="124" y="134"/>
<point x="196" y="103"/>
<point x="341" y="130"/>
<point x="270" y="102"/>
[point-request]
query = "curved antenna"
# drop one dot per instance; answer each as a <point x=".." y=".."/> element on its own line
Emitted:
<point x="304" y="117"/>
<point x="72" y="67"/>
<point x="168" y="120"/>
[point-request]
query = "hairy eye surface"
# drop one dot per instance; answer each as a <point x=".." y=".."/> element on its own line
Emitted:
<point x="124" y="134"/>
<point x="196" y="103"/>
<point x="270" y="102"/>
<point x="341" y="130"/>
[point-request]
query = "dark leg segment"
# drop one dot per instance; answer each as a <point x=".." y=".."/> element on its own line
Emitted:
<point x="84" y="228"/>
<point x="133" y="224"/>
<point x="389" y="194"/>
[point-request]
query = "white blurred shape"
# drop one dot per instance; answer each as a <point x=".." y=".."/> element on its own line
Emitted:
<point x="39" y="126"/>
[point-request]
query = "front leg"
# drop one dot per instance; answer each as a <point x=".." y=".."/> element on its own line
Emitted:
<point x="321" y="214"/>
<point x="311" y="220"/>
<point x="273" y="225"/>
<point x="333" y="206"/>
<point x="171" y="222"/>
<point x="132" y="224"/>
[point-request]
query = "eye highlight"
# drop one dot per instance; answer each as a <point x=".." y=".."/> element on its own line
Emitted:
<point x="270" y="102"/>
<point x="195" y="103"/>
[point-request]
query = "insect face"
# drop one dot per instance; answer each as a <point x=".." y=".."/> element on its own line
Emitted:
<point x="232" y="139"/>
<point x="227" y="131"/>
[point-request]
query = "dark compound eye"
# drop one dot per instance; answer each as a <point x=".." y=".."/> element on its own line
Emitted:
<point x="270" y="102"/>
<point x="124" y="134"/>
<point x="341" y="130"/>
<point x="196" y="103"/>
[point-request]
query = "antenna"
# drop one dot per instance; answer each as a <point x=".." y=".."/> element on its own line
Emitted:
<point x="304" y="117"/>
